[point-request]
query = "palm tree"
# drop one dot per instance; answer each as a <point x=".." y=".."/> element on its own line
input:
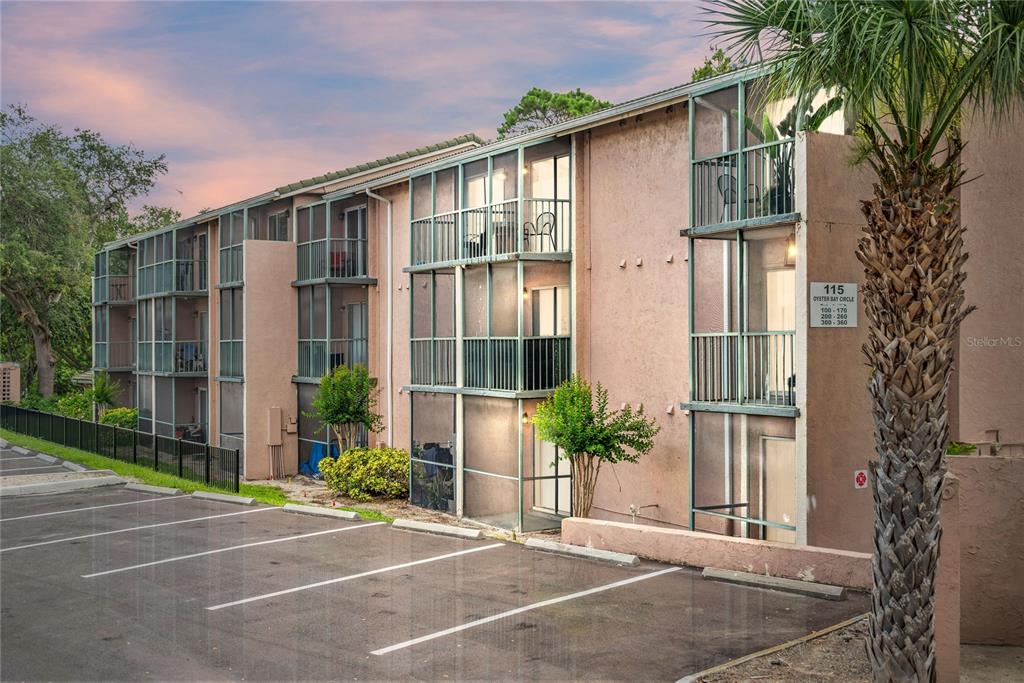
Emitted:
<point x="104" y="392"/>
<point x="909" y="71"/>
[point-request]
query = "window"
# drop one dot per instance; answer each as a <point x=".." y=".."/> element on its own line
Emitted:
<point x="278" y="227"/>
<point x="231" y="344"/>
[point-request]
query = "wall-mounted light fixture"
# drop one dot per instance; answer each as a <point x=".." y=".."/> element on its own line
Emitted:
<point x="526" y="417"/>
<point x="791" y="250"/>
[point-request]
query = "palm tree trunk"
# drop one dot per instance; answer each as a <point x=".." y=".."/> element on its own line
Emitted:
<point x="912" y="251"/>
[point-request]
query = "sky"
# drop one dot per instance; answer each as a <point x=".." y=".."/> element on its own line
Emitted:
<point x="243" y="97"/>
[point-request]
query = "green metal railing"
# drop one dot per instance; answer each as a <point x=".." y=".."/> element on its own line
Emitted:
<point x="335" y="257"/>
<point x="743" y="367"/>
<point x="433" y="362"/>
<point x="211" y="465"/>
<point x="494" y="230"/>
<point x="724" y="191"/>
<point x="317" y="357"/>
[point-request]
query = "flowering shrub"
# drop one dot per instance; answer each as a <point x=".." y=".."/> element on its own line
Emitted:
<point x="362" y="473"/>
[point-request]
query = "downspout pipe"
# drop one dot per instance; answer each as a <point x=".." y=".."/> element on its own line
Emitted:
<point x="390" y="308"/>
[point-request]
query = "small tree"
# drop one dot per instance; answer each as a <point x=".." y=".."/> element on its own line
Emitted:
<point x="104" y="392"/>
<point x="539" y="108"/>
<point x="577" y="420"/>
<point x="346" y="400"/>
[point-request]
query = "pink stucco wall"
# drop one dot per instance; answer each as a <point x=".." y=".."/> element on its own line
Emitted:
<point x="271" y="340"/>
<point x="836" y="413"/>
<point x="632" y="199"/>
<point x="991" y="548"/>
<point x="377" y="308"/>
<point x="991" y="351"/>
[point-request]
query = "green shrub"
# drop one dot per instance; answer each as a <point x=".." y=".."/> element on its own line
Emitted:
<point x="362" y="473"/>
<point x="959" y="448"/>
<point x="75" y="404"/>
<point x="34" y="401"/>
<point x="121" y="417"/>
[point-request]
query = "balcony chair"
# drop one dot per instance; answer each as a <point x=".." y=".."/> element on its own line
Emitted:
<point x="339" y="263"/>
<point x="542" y="226"/>
<point x="474" y="245"/>
<point x="727" y="188"/>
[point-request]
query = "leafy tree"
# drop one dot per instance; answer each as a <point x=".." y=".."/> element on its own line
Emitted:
<point x="909" y="71"/>
<point x="61" y="196"/>
<point x="577" y="420"/>
<point x="539" y="108"/>
<point x="716" y="64"/>
<point x="346" y="400"/>
<point x="154" y="218"/>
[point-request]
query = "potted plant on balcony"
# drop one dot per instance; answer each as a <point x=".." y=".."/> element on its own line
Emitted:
<point x="577" y="420"/>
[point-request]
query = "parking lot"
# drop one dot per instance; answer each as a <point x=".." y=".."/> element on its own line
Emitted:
<point x="115" y="584"/>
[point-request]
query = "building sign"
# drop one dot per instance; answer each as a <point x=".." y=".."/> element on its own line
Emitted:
<point x="860" y="479"/>
<point x="833" y="304"/>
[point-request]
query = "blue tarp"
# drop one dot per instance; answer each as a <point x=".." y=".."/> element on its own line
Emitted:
<point x="311" y="468"/>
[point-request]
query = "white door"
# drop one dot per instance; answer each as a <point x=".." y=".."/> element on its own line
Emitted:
<point x="550" y="311"/>
<point x="550" y="495"/>
<point x="779" y="491"/>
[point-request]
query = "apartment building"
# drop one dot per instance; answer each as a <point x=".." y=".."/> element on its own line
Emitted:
<point x="688" y="249"/>
<point x="218" y="327"/>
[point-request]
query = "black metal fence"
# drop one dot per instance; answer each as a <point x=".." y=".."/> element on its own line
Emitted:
<point x="212" y="465"/>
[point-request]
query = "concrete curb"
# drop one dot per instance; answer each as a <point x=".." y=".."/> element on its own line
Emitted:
<point x="321" y="512"/>
<point x="3" y="443"/>
<point x="432" y="528"/>
<point x="582" y="551"/>
<point x="74" y="466"/>
<point x="59" y="486"/>
<point x="22" y="450"/>
<point x="146" y="488"/>
<point x="808" y="588"/>
<point x="47" y="457"/>
<point x="223" y="497"/>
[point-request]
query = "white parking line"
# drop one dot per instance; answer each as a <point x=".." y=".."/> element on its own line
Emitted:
<point x="224" y="550"/>
<point x="134" y="528"/>
<point x="22" y="469"/>
<point x="350" y="577"/>
<point x="94" y="507"/>
<point x="520" y="610"/>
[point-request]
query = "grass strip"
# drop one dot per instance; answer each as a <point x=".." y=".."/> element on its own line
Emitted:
<point x="261" y="493"/>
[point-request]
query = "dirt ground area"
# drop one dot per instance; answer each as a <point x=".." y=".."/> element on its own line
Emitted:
<point x="313" y="491"/>
<point x="836" y="656"/>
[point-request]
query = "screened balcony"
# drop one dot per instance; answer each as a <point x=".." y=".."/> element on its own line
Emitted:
<point x="743" y="344"/>
<point x="515" y="203"/>
<point x="172" y="262"/>
<point x="113" y="279"/>
<point x="333" y="328"/>
<point x="118" y="355"/>
<point x="232" y="232"/>
<point x="742" y="146"/>
<point x="332" y="240"/>
<point x="515" y="327"/>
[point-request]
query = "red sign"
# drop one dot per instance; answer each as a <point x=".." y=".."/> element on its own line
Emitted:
<point x="860" y="479"/>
